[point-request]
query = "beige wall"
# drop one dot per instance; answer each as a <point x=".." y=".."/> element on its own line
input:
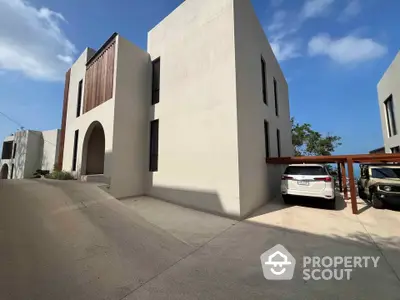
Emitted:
<point x="389" y="85"/>
<point x="198" y="153"/>
<point x="50" y="149"/>
<point x="34" y="150"/>
<point x="130" y="139"/>
<point x="259" y="183"/>
<point x="33" y="156"/>
<point x="103" y="113"/>
<point x="21" y="139"/>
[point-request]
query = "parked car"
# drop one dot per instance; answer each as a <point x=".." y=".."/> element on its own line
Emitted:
<point x="308" y="180"/>
<point x="379" y="184"/>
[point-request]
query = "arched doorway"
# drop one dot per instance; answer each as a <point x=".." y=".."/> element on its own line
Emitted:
<point x="93" y="150"/>
<point x="4" y="171"/>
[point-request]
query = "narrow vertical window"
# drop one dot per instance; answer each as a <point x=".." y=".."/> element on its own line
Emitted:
<point x="278" y="142"/>
<point x="390" y="119"/>
<point x="12" y="171"/>
<point x="266" y="138"/>
<point x="75" y="151"/>
<point x="156" y="82"/>
<point x="15" y="150"/>
<point x="276" y="97"/>
<point x="153" y="146"/>
<point x="264" y="80"/>
<point x="79" y="102"/>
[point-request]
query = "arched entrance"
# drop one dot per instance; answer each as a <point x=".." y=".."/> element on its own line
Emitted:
<point x="93" y="150"/>
<point x="4" y="171"/>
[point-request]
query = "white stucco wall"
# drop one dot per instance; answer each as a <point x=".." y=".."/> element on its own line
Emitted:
<point x="132" y="101"/>
<point x="259" y="183"/>
<point x="389" y="85"/>
<point x="21" y="139"/>
<point x="50" y="149"/>
<point x="34" y="150"/>
<point x="103" y="113"/>
<point x="198" y="153"/>
<point x="33" y="157"/>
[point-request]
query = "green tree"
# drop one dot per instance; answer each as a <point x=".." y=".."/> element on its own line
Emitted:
<point x="308" y="142"/>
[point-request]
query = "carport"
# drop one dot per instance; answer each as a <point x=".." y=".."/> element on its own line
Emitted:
<point x="341" y="161"/>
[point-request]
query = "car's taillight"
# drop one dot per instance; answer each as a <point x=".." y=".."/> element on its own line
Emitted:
<point x="326" y="179"/>
<point x="285" y="177"/>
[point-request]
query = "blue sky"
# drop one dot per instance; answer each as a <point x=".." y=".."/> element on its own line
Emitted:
<point x="333" y="53"/>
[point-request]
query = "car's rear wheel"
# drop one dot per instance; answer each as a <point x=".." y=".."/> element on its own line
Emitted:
<point x="376" y="202"/>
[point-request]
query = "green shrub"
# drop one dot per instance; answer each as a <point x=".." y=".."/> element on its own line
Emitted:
<point x="60" y="175"/>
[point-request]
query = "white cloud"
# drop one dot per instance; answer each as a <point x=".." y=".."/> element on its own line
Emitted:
<point x="285" y="50"/>
<point x="315" y="8"/>
<point x="346" y="50"/>
<point x="285" y="24"/>
<point x="280" y="31"/>
<point x="32" y="42"/>
<point x="278" y="20"/>
<point x="352" y="9"/>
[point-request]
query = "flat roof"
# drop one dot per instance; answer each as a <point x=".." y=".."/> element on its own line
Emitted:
<point x="98" y="52"/>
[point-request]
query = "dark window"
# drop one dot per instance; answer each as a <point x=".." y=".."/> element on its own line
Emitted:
<point x="156" y="82"/>
<point x="276" y="97"/>
<point x="79" y="103"/>
<point x="7" y="150"/>
<point x="278" y="142"/>
<point x="382" y="173"/>
<point x="395" y="149"/>
<point x="15" y="150"/>
<point x="390" y="119"/>
<point x="266" y="137"/>
<point x="153" y="146"/>
<point x="264" y="80"/>
<point x="12" y="171"/>
<point x="75" y="153"/>
<point x="306" y="170"/>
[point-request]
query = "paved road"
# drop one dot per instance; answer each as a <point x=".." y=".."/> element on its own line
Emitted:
<point x="65" y="241"/>
<point x="69" y="240"/>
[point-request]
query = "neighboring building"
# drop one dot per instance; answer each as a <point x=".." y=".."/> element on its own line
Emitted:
<point x="380" y="150"/>
<point x="389" y="106"/>
<point x="26" y="151"/>
<point x="191" y="120"/>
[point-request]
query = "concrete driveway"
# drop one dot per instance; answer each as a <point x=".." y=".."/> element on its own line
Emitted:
<point x="68" y="240"/>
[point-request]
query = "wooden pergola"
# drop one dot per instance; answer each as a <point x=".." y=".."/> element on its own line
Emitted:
<point x="341" y="161"/>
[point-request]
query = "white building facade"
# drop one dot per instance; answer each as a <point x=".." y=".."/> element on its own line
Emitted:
<point x="389" y="106"/>
<point x="26" y="151"/>
<point x="191" y="120"/>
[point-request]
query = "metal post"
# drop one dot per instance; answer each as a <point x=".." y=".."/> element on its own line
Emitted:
<point x="352" y="186"/>
<point x="344" y="180"/>
<point x="339" y="176"/>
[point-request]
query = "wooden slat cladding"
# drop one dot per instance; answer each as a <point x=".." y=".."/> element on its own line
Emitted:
<point x="64" y="121"/>
<point x="99" y="79"/>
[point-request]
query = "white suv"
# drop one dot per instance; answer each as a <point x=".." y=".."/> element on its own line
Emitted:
<point x="308" y="180"/>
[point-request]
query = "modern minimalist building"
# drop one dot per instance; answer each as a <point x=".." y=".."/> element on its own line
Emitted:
<point x="26" y="151"/>
<point x="190" y="120"/>
<point x="389" y="106"/>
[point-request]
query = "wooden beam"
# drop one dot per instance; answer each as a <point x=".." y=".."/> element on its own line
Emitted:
<point x="344" y="180"/>
<point x="352" y="186"/>
<point x="335" y="158"/>
<point x="339" y="176"/>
